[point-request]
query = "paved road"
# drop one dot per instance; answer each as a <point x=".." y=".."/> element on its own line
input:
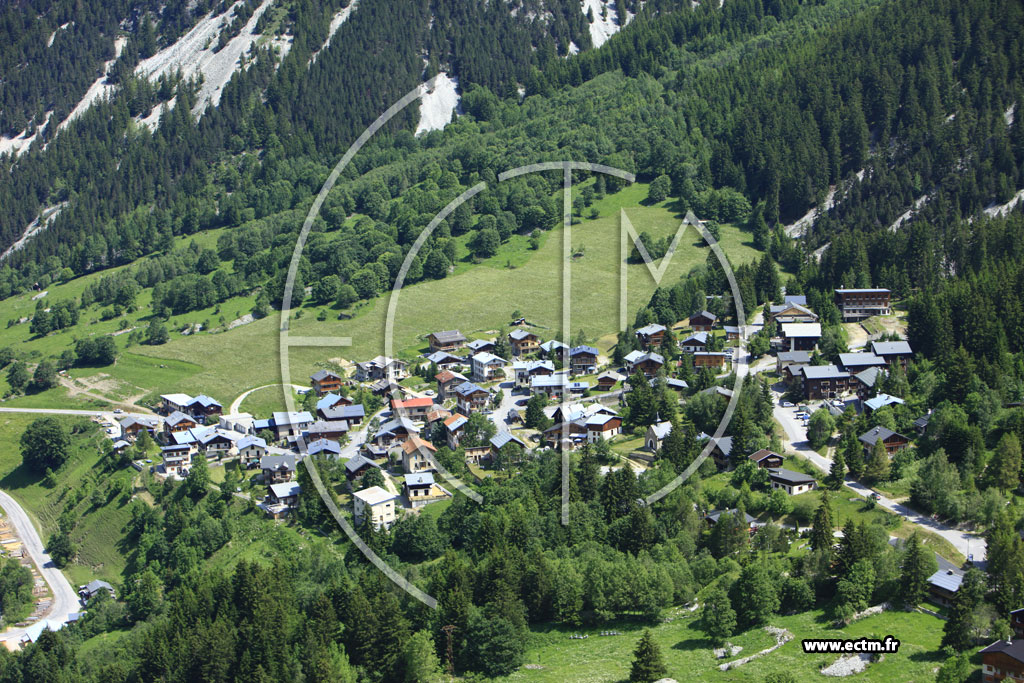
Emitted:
<point x="65" y="598"/>
<point x="796" y="434"/>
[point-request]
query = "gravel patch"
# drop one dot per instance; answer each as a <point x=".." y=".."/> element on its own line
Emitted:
<point x="848" y="665"/>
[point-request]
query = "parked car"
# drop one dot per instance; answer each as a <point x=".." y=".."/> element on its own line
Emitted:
<point x="786" y="404"/>
<point x="117" y="411"/>
<point x="875" y="496"/>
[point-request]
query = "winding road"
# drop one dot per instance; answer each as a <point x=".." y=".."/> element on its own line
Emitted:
<point x="65" y="598"/>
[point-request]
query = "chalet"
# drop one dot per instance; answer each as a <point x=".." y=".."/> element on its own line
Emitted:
<point x="351" y="415"/>
<point x="669" y="382"/>
<point x="554" y="348"/>
<point x="437" y="414"/>
<point x="721" y="451"/>
<point x="824" y="381"/>
<point x="717" y="390"/>
<point x="324" y="382"/>
<point x="454" y="427"/>
<point x="791" y="482"/>
<point x="448" y="340"/>
<point x="284" y="495"/>
<point x="394" y="432"/>
<point x="552" y="386"/>
<point x="881" y="401"/>
<point x="471" y="398"/>
<point x="697" y="341"/>
<point x="712" y="518"/>
<point x="133" y="424"/>
<point x="326" y="447"/>
<point x="385" y="387"/>
<point x="277" y="468"/>
<point x="857" y="304"/>
<point x="865" y="381"/>
<point x="250" y="449"/>
<point x="893" y="352"/>
<point x="502" y="439"/>
<point x="608" y="379"/>
<point x="921" y="423"/>
<point x="944" y="584"/>
<point x="474" y="455"/>
<point x="648" y="363"/>
<point x="217" y="442"/>
<point x="446" y="361"/>
<point x="565" y="434"/>
<point x="119" y="445"/>
<point x="894" y="441"/>
<point x="94" y="588"/>
<point x="172" y="402"/>
<point x="855" y="362"/>
<point x="1003" y="660"/>
<point x="413" y="408"/>
<point x="765" y="459"/>
<point x="656" y="434"/>
<point x="576" y="412"/>
<point x="583" y="360"/>
<point x="380" y="367"/>
<point x="417" y="455"/>
<point x="709" y="359"/>
<point x="178" y="422"/>
<point x="327" y="429"/>
<point x="791" y="312"/>
<point x="525" y="370"/>
<point x="787" y="359"/>
<point x="375" y="505"/>
<point x="800" y="336"/>
<point x="1017" y="622"/>
<point x="203" y="407"/>
<point x="447" y="380"/>
<point x="487" y="366"/>
<point x="176" y="459"/>
<point x="523" y="341"/>
<point x="421" y="489"/>
<point x="287" y="424"/>
<point x="357" y="465"/>
<point x="480" y="346"/>
<point x="703" y="321"/>
<point x="732" y="332"/>
<point x="331" y="401"/>
<point x="602" y="426"/>
<point x="651" y="336"/>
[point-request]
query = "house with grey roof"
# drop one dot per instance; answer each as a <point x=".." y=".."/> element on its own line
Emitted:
<point x="893" y="352"/>
<point x="277" y="468"/>
<point x="447" y="340"/>
<point x="893" y="441"/>
<point x="793" y="483"/>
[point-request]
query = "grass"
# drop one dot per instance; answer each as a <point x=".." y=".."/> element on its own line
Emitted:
<point x="99" y="531"/>
<point x="688" y="657"/>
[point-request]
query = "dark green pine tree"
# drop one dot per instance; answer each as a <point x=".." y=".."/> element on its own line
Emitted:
<point x="836" y="473"/>
<point x="821" y="526"/>
<point x="648" y="664"/>
<point x="958" y="632"/>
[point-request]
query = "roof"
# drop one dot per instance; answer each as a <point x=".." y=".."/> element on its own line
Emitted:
<point x="177" y="399"/>
<point x="374" y="495"/>
<point x="96" y="585"/>
<point x="345" y="412"/>
<point x="860" y="359"/>
<point x="468" y="388"/>
<point x="448" y="336"/>
<point x="549" y="381"/>
<point x="321" y="445"/>
<point x="881" y="401"/>
<point x="177" y="417"/>
<point x="695" y="338"/>
<point x="148" y="422"/>
<point x="419" y="479"/>
<point x="731" y="328"/>
<point x="478" y="344"/>
<point x="710" y="354"/>
<point x="520" y="334"/>
<point x="872" y="435"/>
<point x="249" y="440"/>
<point x="600" y="419"/>
<point x="577" y="350"/>
<point x="661" y="429"/>
<point x="440" y="357"/>
<point x="794" y="356"/>
<point x="801" y="329"/>
<point x="205" y="401"/>
<point x="531" y="365"/>
<point x="328" y="426"/>
<point x="291" y="418"/>
<point x="715" y="514"/>
<point x="357" y="462"/>
<point x="762" y="454"/>
<point x="633" y="356"/>
<point x="947" y="579"/>
<point x="399" y="422"/>
<point x="446" y="376"/>
<point x="321" y="375"/>
<point x="500" y="440"/>
<point x="650" y="355"/>
<point x="423" y="402"/>
<point x="552" y="345"/>
<point x="725" y="445"/>
<point x="891" y="348"/>
<point x="706" y="314"/>
<point x="487" y="358"/>
<point x="285" y="489"/>
<point x="870" y="376"/>
<point x="119" y="444"/>
<point x="612" y="375"/>
<point x="922" y="421"/>
<point x="653" y="328"/>
<point x="415" y="443"/>
<point x="801" y="308"/>
<point x="1013" y="649"/>
<point x="861" y="291"/>
<point x="276" y="462"/>
<point x="789" y="476"/>
<point x="795" y="299"/>
<point x="823" y="372"/>
<point x="455" y="421"/>
<point x="721" y="391"/>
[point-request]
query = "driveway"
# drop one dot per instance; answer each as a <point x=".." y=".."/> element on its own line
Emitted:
<point x="65" y="598"/>
<point x="508" y="402"/>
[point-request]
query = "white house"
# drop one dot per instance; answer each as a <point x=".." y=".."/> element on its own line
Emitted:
<point x="378" y="504"/>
